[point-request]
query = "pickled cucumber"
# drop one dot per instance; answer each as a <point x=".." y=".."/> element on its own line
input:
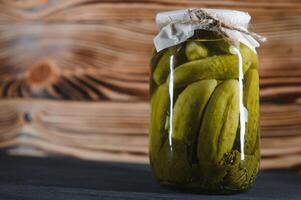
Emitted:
<point x="218" y="47"/>
<point x="218" y="128"/>
<point x="220" y="67"/>
<point x="189" y="109"/>
<point x="224" y="47"/>
<point x="159" y="104"/>
<point x="172" y="165"/>
<point x="251" y="102"/>
<point x="195" y="50"/>
<point x="242" y="173"/>
<point x="170" y="56"/>
<point x="249" y="56"/>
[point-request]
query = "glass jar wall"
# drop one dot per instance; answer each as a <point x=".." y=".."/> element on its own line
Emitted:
<point x="197" y="139"/>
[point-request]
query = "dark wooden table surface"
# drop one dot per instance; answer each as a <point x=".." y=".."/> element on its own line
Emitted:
<point x="27" y="178"/>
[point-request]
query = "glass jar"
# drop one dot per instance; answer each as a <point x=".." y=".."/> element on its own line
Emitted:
<point x="197" y="139"/>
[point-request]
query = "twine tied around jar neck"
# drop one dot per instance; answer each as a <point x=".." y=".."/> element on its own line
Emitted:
<point x="203" y="17"/>
<point x="178" y="26"/>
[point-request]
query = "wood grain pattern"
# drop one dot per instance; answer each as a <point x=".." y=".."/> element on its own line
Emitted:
<point x="102" y="131"/>
<point x="74" y="76"/>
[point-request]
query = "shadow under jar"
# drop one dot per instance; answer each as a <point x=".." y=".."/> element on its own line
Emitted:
<point x="196" y="141"/>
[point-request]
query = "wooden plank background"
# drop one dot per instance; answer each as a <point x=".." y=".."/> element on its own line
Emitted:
<point x="74" y="76"/>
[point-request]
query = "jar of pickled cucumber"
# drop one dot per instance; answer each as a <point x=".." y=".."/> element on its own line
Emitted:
<point x="204" y="86"/>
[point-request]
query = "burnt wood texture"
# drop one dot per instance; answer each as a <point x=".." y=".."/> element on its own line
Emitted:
<point x="74" y="76"/>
